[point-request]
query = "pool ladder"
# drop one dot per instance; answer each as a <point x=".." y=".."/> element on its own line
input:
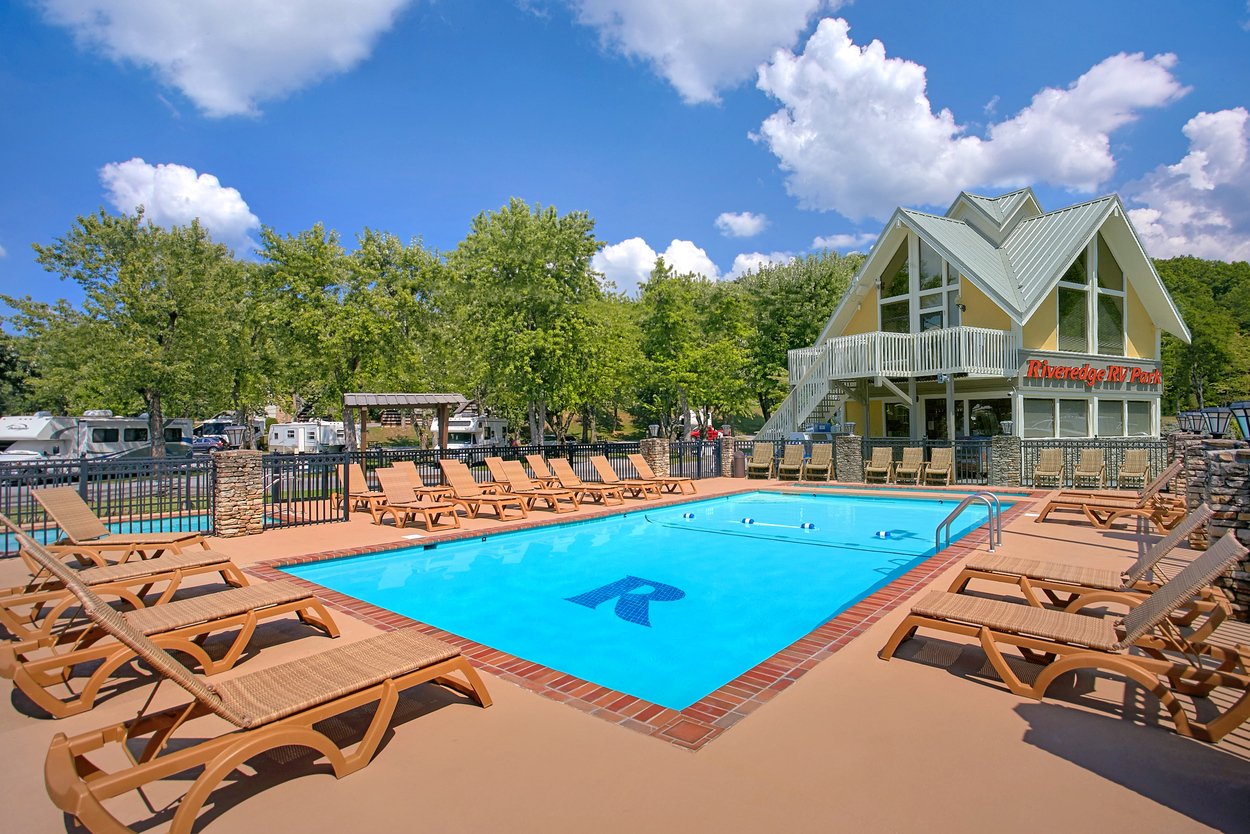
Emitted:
<point x="995" y="518"/>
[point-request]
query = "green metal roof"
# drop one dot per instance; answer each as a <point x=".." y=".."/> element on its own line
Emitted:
<point x="1037" y="251"/>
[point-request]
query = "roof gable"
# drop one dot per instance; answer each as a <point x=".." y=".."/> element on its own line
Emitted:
<point x="1019" y="271"/>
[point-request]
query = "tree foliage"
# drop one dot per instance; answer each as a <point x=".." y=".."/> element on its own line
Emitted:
<point x="148" y="334"/>
<point x="1214" y="300"/>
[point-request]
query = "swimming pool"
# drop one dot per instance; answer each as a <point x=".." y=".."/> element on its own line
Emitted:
<point x="170" y="524"/>
<point x="666" y="604"/>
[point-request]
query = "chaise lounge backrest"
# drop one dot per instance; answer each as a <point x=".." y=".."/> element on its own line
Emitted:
<point x="71" y="513"/>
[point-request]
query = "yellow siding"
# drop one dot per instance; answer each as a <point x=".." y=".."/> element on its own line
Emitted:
<point x="1140" y="343"/>
<point x="1041" y="332"/>
<point x="855" y="414"/>
<point x="865" y="319"/>
<point x="876" y="426"/>
<point x="981" y="310"/>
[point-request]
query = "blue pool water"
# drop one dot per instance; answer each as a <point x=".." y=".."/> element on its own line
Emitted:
<point x="666" y="604"/>
<point x="153" y="525"/>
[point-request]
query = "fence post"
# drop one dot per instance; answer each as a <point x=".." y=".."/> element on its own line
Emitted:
<point x="82" y="478"/>
<point x="1227" y="490"/>
<point x="1006" y="461"/>
<point x="655" y="451"/>
<point x="848" y="455"/>
<point x="238" y="493"/>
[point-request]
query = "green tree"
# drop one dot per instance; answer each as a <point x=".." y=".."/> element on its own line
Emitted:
<point x="346" y="322"/>
<point x="526" y="289"/>
<point x="790" y="304"/>
<point x="150" y="329"/>
<point x="1212" y="297"/>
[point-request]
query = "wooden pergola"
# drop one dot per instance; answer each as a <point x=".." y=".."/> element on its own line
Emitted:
<point x="412" y="402"/>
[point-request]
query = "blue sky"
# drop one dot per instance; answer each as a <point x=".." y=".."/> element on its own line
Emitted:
<point x="721" y="133"/>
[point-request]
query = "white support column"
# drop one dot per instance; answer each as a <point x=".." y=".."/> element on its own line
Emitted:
<point x="951" y="428"/>
<point x="915" y="411"/>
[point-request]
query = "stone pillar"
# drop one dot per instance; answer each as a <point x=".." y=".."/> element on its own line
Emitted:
<point x="1227" y="490"/>
<point x="655" y="450"/>
<point x="1006" y="458"/>
<point x="848" y="458"/>
<point x="238" y="493"/>
<point x="727" y="448"/>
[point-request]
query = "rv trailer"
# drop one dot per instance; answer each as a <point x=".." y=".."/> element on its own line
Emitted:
<point x="97" y="434"/>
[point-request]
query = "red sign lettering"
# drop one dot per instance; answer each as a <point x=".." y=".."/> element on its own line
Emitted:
<point x="1091" y="376"/>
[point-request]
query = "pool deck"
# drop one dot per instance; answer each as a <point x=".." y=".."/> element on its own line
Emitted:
<point x="839" y="741"/>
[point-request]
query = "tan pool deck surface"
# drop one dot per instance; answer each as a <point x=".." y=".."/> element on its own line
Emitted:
<point x="829" y="738"/>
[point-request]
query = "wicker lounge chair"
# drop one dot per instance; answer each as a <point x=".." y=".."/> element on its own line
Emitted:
<point x="1135" y="470"/>
<point x="34" y="610"/>
<point x="541" y="472"/>
<point x="401" y="505"/>
<point x="1153" y="488"/>
<point x="1170" y="664"/>
<point x="1091" y="470"/>
<point x="636" y="487"/>
<point x="880" y="467"/>
<point x="466" y="492"/>
<point x="38" y="666"/>
<point x="1084" y="585"/>
<point x="790" y="467"/>
<point x="359" y="495"/>
<point x="520" y="483"/>
<point x="940" y="471"/>
<point x="1104" y="509"/>
<point x="760" y="464"/>
<point x="820" y="465"/>
<point x="669" y="483"/>
<point x="1050" y="469"/>
<point x="597" y="492"/>
<point x="438" y="492"/>
<point x="279" y="707"/>
<point x="910" y="470"/>
<point x="494" y="465"/>
<point x="90" y="538"/>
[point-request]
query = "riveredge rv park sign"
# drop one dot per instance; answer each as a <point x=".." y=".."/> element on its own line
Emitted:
<point x="1102" y="373"/>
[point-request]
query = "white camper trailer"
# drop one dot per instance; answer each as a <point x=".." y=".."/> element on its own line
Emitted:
<point x="466" y="429"/>
<point x="307" y="438"/>
<point x="97" y="434"/>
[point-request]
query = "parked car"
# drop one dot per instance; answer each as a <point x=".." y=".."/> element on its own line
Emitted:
<point x="209" y="442"/>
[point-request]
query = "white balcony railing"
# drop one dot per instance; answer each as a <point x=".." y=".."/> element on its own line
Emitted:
<point x="975" y="351"/>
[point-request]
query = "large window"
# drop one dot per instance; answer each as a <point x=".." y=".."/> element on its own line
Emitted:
<point x="1110" y="302"/>
<point x="1139" y="423"/>
<point x="1039" y="418"/>
<point x="1073" y="326"/>
<point x="1110" y="418"/>
<point x="104" y="435"/>
<point x="985" y="416"/>
<point x="897" y="420"/>
<point x="895" y="280"/>
<point x="1073" y="418"/>
<point x="135" y="435"/>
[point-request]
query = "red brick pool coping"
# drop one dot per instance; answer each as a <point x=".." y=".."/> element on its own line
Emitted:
<point x="702" y="721"/>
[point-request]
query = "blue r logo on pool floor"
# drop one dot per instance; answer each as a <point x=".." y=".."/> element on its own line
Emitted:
<point x="631" y="607"/>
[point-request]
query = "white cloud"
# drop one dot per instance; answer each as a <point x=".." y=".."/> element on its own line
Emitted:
<point x="625" y="264"/>
<point x="176" y="195"/>
<point x="4" y="253"/>
<point x="857" y="133"/>
<point x="628" y="263"/>
<point x="683" y="256"/>
<point x="699" y="46"/>
<point x="229" y="55"/>
<point x="741" y="224"/>
<point x="1198" y="206"/>
<point x="752" y="261"/>
<point x="844" y="242"/>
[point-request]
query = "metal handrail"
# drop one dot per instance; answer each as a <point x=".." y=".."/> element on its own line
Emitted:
<point x="994" y="514"/>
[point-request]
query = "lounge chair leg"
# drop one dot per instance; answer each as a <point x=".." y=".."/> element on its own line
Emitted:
<point x="905" y="631"/>
<point x="1120" y="666"/>
<point x="248" y="747"/>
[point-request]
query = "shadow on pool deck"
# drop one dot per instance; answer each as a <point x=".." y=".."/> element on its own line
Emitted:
<point x="856" y="744"/>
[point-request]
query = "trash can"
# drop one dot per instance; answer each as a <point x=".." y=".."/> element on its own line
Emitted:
<point x="739" y="465"/>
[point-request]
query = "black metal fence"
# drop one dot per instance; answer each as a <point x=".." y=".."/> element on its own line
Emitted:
<point x="131" y="495"/>
<point x="972" y="454"/>
<point x="303" y="489"/>
<point x="1113" y="450"/>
